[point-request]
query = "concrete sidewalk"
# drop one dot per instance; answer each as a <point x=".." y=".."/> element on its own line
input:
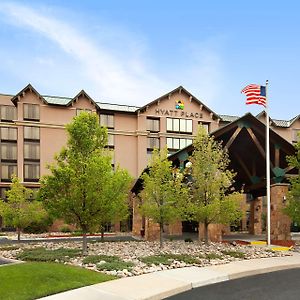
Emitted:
<point x="167" y="283"/>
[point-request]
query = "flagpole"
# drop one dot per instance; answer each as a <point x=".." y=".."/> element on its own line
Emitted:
<point x="268" y="180"/>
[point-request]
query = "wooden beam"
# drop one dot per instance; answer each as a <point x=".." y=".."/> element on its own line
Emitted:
<point x="289" y="168"/>
<point x="277" y="156"/>
<point x="258" y="145"/>
<point x="233" y="137"/>
<point x="256" y="142"/>
<point x="244" y="167"/>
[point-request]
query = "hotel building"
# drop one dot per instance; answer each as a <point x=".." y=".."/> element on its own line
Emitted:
<point x="32" y="129"/>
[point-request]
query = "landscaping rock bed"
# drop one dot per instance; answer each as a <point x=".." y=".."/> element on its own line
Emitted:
<point x="126" y="259"/>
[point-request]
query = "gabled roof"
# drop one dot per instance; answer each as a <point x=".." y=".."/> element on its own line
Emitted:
<point x="29" y="87"/>
<point x="180" y="89"/>
<point x="279" y="123"/>
<point x="82" y="93"/>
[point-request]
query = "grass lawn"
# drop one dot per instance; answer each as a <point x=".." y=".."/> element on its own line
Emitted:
<point x="35" y="279"/>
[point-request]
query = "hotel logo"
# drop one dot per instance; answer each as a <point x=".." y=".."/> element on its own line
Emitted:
<point x="179" y="105"/>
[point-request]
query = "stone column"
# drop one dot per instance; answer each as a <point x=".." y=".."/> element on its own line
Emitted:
<point x="215" y="232"/>
<point x="137" y="220"/>
<point x="280" y="223"/>
<point x="255" y="226"/>
<point x="117" y="226"/>
<point x="244" y="208"/>
<point x="151" y="230"/>
<point x="175" y="228"/>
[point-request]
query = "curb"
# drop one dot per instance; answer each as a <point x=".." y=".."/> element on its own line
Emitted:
<point x="9" y="262"/>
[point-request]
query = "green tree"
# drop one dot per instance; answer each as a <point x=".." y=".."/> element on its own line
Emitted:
<point x="293" y="204"/>
<point x="163" y="191"/>
<point x="210" y="200"/>
<point x="83" y="188"/>
<point x="19" y="211"/>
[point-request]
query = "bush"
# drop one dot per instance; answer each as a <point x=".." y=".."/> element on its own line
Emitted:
<point x="41" y="254"/>
<point x="213" y="256"/>
<point x="65" y="229"/>
<point x="39" y="227"/>
<point x="94" y="259"/>
<point x="236" y="254"/>
<point x="77" y="233"/>
<point x="156" y="260"/>
<point x="115" y="265"/>
<point x="8" y="248"/>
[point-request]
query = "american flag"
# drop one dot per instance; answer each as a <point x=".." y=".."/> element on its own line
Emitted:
<point x="256" y="94"/>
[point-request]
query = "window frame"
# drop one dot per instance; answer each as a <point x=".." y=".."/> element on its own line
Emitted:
<point x="8" y="119"/>
<point x="179" y="125"/>
<point x="28" y="117"/>
<point x="31" y="163"/>
<point x="110" y="124"/>
<point x="151" y="126"/>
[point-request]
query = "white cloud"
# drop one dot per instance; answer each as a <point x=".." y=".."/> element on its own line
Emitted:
<point x="113" y="78"/>
<point x="110" y="71"/>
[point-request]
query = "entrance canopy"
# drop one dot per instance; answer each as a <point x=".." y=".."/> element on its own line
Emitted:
<point x="245" y="141"/>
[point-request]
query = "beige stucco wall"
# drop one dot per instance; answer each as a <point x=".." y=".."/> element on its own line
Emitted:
<point x="51" y="142"/>
<point x="130" y="129"/>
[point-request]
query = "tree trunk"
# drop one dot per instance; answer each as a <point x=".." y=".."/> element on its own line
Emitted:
<point x="161" y="227"/>
<point x="102" y="233"/>
<point x="84" y="243"/>
<point x="19" y="234"/>
<point x="206" y="232"/>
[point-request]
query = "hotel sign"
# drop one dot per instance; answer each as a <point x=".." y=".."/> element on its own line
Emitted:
<point x="177" y="113"/>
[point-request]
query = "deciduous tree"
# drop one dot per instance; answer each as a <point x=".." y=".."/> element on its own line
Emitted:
<point x="293" y="205"/>
<point x="83" y="188"/>
<point x="210" y="200"/>
<point x="19" y="210"/>
<point x="163" y="192"/>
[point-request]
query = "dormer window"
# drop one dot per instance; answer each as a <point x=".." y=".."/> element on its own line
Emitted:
<point x="31" y="112"/>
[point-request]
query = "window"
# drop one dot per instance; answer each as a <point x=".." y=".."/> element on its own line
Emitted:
<point x="3" y="193"/>
<point x="107" y="120"/>
<point x="31" y="133"/>
<point x="152" y="142"/>
<point x="80" y="110"/>
<point x="31" y="112"/>
<point x="205" y="126"/>
<point x="31" y="151"/>
<point x="7" y="170"/>
<point x="153" y="125"/>
<point x="8" y="133"/>
<point x="110" y="141"/>
<point x="31" y="171"/>
<point x="8" y="113"/>
<point x="177" y="143"/>
<point x="296" y="135"/>
<point x="179" y="125"/>
<point x="8" y="151"/>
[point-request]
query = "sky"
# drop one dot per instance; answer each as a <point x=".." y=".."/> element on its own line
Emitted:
<point x="132" y="51"/>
